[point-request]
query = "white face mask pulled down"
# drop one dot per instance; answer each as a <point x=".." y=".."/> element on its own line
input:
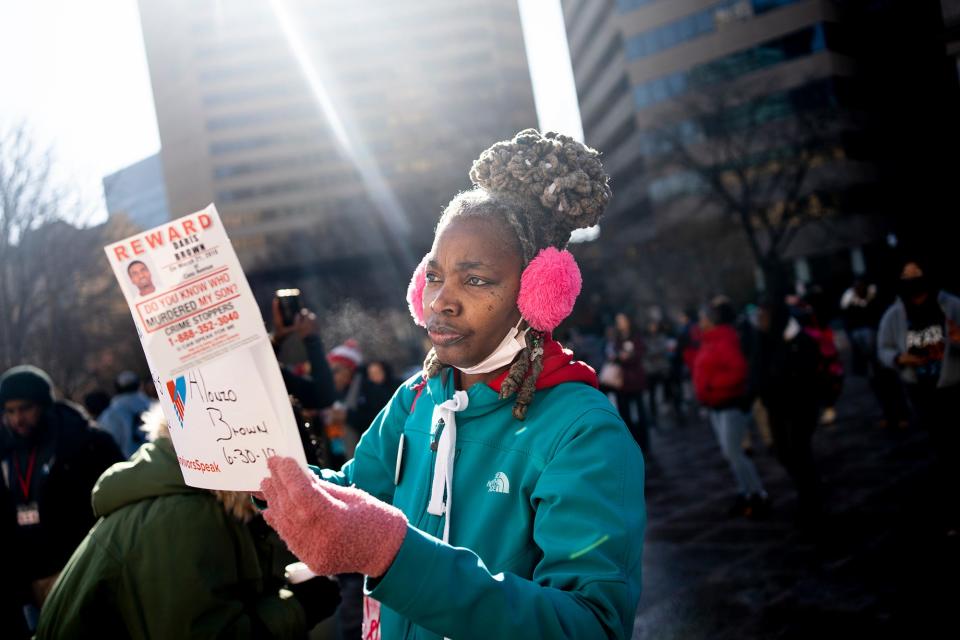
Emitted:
<point x="513" y="343"/>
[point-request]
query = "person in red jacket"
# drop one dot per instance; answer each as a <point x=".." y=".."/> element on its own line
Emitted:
<point x="720" y="375"/>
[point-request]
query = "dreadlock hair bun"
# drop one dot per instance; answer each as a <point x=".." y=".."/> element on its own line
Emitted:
<point x="563" y="175"/>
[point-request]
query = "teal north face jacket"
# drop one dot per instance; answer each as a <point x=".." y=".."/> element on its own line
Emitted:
<point x="547" y="518"/>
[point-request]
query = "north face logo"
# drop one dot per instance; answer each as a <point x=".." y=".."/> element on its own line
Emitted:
<point x="499" y="484"/>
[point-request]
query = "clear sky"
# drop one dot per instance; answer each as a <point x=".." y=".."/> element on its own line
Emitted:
<point x="76" y="72"/>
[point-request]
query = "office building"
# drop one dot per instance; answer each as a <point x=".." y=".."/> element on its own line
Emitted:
<point x="640" y="65"/>
<point x="331" y="134"/>
<point x="139" y="192"/>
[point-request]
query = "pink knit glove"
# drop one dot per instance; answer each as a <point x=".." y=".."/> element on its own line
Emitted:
<point x="332" y="529"/>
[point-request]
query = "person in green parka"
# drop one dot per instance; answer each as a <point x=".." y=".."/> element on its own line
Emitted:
<point x="170" y="561"/>
<point x="498" y="494"/>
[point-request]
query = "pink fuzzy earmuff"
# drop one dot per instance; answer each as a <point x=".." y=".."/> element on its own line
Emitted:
<point x="549" y="288"/>
<point x="415" y="291"/>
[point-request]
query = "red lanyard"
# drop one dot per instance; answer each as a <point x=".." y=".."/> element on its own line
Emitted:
<point x="25" y="482"/>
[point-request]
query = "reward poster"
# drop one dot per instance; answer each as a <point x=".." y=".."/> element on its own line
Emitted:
<point x="212" y="363"/>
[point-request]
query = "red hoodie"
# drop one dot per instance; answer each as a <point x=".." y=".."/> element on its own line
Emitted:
<point x="720" y="370"/>
<point x="558" y="366"/>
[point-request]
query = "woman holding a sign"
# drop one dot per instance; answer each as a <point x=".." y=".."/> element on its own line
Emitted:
<point x="498" y="494"/>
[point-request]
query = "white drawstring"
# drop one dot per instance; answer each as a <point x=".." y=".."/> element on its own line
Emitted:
<point x="446" y="451"/>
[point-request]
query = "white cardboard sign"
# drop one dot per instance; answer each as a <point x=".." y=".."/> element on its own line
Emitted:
<point x="203" y="336"/>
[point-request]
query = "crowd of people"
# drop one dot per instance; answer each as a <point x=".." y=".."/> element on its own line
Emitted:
<point x="773" y="372"/>
<point x="56" y="454"/>
<point x="769" y="372"/>
<point x="110" y="541"/>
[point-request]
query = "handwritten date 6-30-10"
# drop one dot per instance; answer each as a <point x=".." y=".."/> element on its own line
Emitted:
<point x="248" y="456"/>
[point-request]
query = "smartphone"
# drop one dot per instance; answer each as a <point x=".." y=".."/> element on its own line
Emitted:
<point x="289" y="304"/>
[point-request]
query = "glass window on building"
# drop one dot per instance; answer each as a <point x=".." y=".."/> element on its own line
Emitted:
<point x="626" y="6"/>
<point x="782" y="104"/>
<point x="798" y="44"/>
<point x="260" y="117"/>
<point x="762" y="6"/>
<point x="695" y="25"/>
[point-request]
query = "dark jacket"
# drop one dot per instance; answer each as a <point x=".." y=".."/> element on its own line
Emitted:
<point x="373" y="398"/>
<point x="315" y="391"/>
<point x="12" y="584"/>
<point x="785" y="372"/>
<point x="165" y="561"/>
<point x="81" y="452"/>
<point x="628" y="352"/>
<point x="688" y="342"/>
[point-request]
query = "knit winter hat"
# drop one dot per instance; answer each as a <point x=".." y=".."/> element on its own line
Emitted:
<point x="26" y="382"/>
<point x="347" y="354"/>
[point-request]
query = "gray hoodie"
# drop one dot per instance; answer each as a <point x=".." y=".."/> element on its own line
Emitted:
<point x="892" y="341"/>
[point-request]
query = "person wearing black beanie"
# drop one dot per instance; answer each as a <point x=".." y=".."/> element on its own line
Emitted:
<point x="26" y="382"/>
<point x="50" y="457"/>
<point x="25" y="392"/>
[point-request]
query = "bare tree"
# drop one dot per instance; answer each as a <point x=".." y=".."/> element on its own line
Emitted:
<point x="55" y="289"/>
<point x="28" y="200"/>
<point x="766" y="162"/>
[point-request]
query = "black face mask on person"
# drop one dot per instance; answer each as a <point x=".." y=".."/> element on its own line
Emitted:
<point x="910" y="288"/>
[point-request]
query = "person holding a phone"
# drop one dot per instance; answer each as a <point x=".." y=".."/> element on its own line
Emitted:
<point x="315" y="391"/>
<point x="920" y="337"/>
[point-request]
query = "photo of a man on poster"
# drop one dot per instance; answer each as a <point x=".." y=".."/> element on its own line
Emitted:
<point x="141" y="277"/>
